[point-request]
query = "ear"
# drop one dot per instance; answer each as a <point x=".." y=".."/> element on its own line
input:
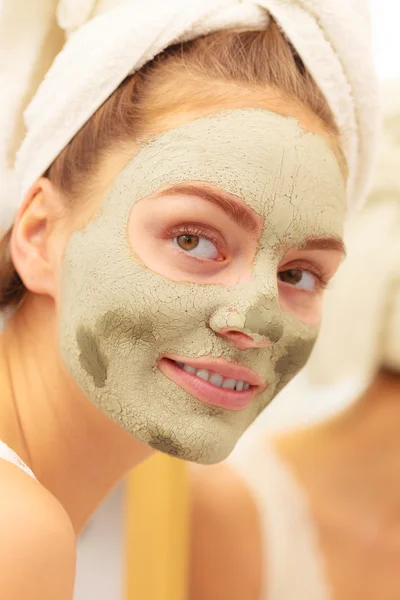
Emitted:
<point x="32" y="232"/>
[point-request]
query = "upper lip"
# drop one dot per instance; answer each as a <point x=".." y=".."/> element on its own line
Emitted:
<point x="220" y="365"/>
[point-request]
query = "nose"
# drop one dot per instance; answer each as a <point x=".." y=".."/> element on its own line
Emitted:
<point x="258" y="325"/>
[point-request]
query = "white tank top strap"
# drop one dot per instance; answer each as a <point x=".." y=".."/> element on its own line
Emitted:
<point x="12" y="457"/>
<point x="294" y="566"/>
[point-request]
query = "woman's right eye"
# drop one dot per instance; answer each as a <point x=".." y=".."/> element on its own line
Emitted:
<point x="197" y="246"/>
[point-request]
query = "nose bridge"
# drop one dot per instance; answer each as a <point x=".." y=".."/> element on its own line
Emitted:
<point x="263" y="315"/>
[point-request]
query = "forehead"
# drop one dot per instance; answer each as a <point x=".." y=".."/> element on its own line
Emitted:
<point x="288" y="176"/>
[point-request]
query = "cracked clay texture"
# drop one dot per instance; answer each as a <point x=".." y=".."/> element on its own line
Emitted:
<point x="118" y="317"/>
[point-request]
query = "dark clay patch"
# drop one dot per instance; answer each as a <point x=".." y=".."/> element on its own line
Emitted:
<point x="119" y="323"/>
<point x="91" y="358"/>
<point x="290" y="363"/>
<point x="260" y="320"/>
<point x="165" y="444"/>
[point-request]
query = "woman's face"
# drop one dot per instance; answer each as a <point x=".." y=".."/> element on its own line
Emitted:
<point x="193" y="294"/>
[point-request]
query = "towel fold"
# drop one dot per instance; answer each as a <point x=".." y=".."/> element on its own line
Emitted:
<point x="109" y="39"/>
<point x="361" y="326"/>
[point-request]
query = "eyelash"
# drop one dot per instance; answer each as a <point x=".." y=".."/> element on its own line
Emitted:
<point x="193" y="229"/>
<point x="322" y="276"/>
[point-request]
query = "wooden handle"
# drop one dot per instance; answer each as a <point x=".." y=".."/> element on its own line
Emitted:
<point x="156" y="531"/>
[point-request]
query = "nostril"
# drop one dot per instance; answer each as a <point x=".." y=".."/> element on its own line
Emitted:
<point x="237" y="335"/>
<point x="242" y="340"/>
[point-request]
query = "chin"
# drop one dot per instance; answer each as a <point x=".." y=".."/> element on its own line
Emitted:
<point x="201" y="446"/>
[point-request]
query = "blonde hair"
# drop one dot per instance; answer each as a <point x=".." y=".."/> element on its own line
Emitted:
<point x="252" y="59"/>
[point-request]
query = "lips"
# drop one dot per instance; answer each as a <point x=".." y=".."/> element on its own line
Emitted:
<point x="216" y="382"/>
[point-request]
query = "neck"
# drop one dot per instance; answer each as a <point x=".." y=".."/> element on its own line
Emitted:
<point x="350" y="464"/>
<point x="369" y="429"/>
<point x="74" y="450"/>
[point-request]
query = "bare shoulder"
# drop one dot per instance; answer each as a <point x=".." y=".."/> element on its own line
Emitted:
<point x="226" y="550"/>
<point x="37" y="540"/>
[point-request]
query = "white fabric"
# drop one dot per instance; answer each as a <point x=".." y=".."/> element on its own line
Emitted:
<point x="293" y="564"/>
<point x="301" y="404"/>
<point x="361" y="325"/>
<point x="29" y="40"/>
<point x="12" y="457"/>
<point x="108" y="39"/>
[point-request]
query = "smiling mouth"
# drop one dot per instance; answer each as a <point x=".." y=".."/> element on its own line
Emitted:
<point x="211" y="386"/>
<point x="215" y="378"/>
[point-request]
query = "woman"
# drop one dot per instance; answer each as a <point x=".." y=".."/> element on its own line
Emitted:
<point x="314" y="513"/>
<point x="180" y="218"/>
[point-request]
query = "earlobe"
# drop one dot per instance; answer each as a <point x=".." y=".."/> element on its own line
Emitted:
<point x="30" y="240"/>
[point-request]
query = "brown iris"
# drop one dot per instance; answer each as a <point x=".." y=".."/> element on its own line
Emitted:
<point x="291" y="276"/>
<point x="187" y="241"/>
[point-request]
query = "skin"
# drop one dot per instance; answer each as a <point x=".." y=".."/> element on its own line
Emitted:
<point x="77" y="451"/>
<point x="348" y="467"/>
<point x="37" y="552"/>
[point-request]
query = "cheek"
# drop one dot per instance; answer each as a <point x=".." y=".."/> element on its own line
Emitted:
<point x="57" y="249"/>
<point x="293" y="360"/>
<point x="305" y="307"/>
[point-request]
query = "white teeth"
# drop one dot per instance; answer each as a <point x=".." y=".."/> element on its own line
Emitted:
<point x="216" y="379"/>
<point x="203" y="374"/>
<point x="229" y="384"/>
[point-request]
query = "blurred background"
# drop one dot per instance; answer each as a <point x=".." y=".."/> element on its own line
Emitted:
<point x="101" y="547"/>
<point x="385" y="21"/>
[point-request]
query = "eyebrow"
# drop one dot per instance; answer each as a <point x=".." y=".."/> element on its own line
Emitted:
<point x="242" y="216"/>
<point x="324" y="243"/>
<point x="230" y="204"/>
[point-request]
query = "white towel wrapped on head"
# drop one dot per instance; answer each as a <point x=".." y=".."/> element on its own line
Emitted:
<point x="109" y="39"/>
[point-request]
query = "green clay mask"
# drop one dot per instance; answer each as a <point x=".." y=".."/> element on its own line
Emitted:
<point x="118" y="317"/>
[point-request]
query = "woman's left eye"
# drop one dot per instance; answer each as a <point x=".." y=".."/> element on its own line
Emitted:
<point x="299" y="278"/>
<point x="196" y="246"/>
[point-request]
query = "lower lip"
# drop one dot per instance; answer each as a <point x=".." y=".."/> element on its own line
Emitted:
<point x="205" y="391"/>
